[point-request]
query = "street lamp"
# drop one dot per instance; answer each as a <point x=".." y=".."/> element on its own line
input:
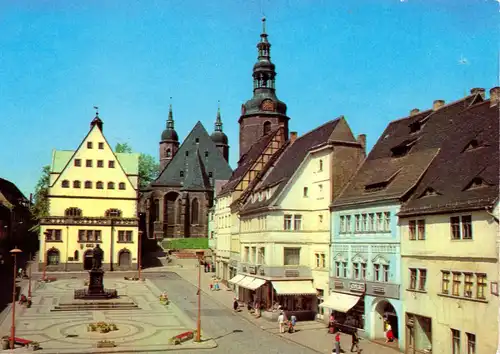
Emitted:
<point x="139" y="255"/>
<point x="198" y="322"/>
<point x="14" y="253"/>
<point x="46" y="234"/>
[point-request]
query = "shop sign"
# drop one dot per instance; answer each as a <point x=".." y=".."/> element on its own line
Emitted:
<point x="378" y="290"/>
<point x="89" y="245"/>
<point x="357" y="287"/>
<point x="252" y="269"/>
<point x="338" y="285"/>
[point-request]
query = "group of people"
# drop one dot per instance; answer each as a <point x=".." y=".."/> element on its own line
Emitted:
<point x="285" y="323"/>
<point x="214" y="284"/>
<point x="337" y="347"/>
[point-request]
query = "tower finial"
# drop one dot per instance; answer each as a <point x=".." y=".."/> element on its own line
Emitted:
<point x="264" y="24"/>
<point x="96" y="111"/>
<point x="218" y="120"/>
<point x="170" y="120"/>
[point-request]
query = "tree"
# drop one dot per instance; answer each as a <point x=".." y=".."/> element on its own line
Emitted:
<point x="40" y="206"/>
<point x="148" y="167"/>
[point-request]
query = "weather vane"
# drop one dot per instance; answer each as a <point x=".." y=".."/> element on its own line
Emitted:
<point x="96" y="110"/>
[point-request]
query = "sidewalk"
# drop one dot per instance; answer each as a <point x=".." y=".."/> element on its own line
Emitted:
<point x="310" y="334"/>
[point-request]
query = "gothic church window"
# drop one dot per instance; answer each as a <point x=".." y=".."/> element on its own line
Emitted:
<point x="195" y="212"/>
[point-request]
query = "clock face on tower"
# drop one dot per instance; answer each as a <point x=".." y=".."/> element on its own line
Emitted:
<point x="243" y="110"/>
<point x="267" y="105"/>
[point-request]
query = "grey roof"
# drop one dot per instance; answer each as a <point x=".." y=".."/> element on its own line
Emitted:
<point x="196" y="158"/>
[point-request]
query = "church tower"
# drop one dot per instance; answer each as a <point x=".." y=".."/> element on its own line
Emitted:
<point x="219" y="138"/>
<point x="169" y="143"/>
<point x="264" y="112"/>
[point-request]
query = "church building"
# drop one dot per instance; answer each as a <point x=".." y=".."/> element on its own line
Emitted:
<point x="176" y="204"/>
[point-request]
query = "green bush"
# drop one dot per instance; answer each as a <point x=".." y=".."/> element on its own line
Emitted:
<point x="186" y="244"/>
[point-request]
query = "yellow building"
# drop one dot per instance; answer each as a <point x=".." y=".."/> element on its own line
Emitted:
<point x="449" y="240"/>
<point x="93" y="200"/>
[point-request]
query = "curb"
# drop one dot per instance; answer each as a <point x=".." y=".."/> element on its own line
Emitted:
<point x="250" y="321"/>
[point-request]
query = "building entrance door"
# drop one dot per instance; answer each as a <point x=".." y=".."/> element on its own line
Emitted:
<point x="87" y="260"/>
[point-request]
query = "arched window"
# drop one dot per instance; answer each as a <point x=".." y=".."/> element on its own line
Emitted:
<point x="111" y="185"/>
<point x="267" y="128"/>
<point x="53" y="256"/>
<point x="77" y="184"/>
<point x="99" y="185"/>
<point x="113" y="213"/>
<point x="76" y="255"/>
<point x="88" y="184"/>
<point x="178" y="211"/>
<point x="194" y="211"/>
<point x="73" y="212"/>
<point x="65" y="183"/>
<point x="169" y="153"/>
<point x="121" y="186"/>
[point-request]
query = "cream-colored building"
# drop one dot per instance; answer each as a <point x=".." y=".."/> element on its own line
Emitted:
<point x="285" y="222"/>
<point x="449" y="240"/>
<point x="222" y="230"/>
<point x="93" y="201"/>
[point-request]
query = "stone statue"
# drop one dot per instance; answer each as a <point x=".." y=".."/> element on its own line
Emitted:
<point x="97" y="255"/>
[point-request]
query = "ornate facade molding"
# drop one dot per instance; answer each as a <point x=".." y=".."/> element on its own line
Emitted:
<point x="94" y="221"/>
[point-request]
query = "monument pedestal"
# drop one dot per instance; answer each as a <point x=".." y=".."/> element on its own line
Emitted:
<point x="96" y="282"/>
<point x="96" y="289"/>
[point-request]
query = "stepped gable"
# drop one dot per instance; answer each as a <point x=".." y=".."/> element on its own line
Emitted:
<point x="247" y="161"/>
<point x="401" y="155"/>
<point x="464" y="175"/>
<point x="290" y="160"/>
<point x="198" y="142"/>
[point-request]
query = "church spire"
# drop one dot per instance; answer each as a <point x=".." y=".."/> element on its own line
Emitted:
<point x="218" y="120"/>
<point x="169" y="133"/>
<point x="264" y="73"/>
<point x="170" y="120"/>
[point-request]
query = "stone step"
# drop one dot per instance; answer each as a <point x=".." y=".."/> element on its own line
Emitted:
<point x="96" y="306"/>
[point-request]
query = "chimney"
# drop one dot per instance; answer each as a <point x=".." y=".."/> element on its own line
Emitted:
<point x="361" y="139"/>
<point x="478" y="91"/>
<point x="414" y="111"/>
<point x="494" y="96"/>
<point x="293" y="137"/>
<point x="437" y="104"/>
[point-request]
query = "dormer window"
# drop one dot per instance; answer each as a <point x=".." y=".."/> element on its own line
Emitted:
<point x="197" y="140"/>
<point x="418" y="125"/>
<point x="429" y="192"/>
<point x="403" y="148"/>
<point x="181" y="174"/>
<point x="206" y="153"/>
<point x="381" y="184"/>
<point x="187" y="153"/>
<point x="477" y="182"/>
<point x="473" y="145"/>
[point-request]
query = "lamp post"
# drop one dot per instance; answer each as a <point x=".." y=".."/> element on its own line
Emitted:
<point x="198" y="321"/>
<point x="44" y="274"/>
<point x="139" y="255"/>
<point x="14" y="253"/>
<point x="29" y="276"/>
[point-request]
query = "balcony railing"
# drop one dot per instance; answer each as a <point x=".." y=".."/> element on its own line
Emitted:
<point x="87" y="220"/>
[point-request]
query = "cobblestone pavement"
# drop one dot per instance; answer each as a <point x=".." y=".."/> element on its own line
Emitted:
<point x="146" y="329"/>
<point x="310" y="334"/>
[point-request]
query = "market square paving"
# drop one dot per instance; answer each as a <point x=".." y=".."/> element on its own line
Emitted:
<point x="145" y="328"/>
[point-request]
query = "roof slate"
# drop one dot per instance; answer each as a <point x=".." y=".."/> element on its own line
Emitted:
<point x="202" y="155"/>
<point x="290" y="160"/>
<point x="247" y="161"/>
<point x="380" y="163"/>
<point x="453" y="170"/>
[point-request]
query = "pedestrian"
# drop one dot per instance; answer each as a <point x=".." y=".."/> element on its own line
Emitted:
<point x="337" y="343"/>
<point x="235" y="304"/>
<point x="281" y="322"/>
<point x="293" y="321"/>
<point x="355" y="340"/>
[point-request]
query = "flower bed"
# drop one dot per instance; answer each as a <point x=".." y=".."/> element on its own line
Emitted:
<point x="101" y="327"/>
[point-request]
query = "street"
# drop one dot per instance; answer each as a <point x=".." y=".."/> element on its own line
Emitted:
<point x="232" y="333"/>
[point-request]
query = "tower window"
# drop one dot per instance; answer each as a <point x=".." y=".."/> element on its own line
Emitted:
<point x="206" y="153"/>
<point x="187" y="153"/>
<point x="169" y="153"/>
<point x="197" y="140"/>
<point x="182" y="174"/>
<point x="267" y="128"/>
<point x="210" y="174"/>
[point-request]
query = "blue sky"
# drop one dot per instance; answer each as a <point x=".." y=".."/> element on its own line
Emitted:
<point x="369" y="60"/>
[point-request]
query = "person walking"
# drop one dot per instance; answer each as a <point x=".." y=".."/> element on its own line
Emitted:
<point x="281" y="322"/>
<point x="337" y="343"/>
<point x="355" y="340"/>
<point x="235" y="304"/>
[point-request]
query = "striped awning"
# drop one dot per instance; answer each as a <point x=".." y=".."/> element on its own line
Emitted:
<point x="294" y="287"/>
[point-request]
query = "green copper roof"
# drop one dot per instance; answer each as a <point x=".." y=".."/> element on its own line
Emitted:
<point x="129" y="162"/>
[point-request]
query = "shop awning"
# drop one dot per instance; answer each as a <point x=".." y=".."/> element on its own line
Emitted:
<point x="294" y="287"/>
<point x="256" y="283"/>
<point x="237" y="278"/>
<point x="245" y="282"/>
<point x="340" y="302"/>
